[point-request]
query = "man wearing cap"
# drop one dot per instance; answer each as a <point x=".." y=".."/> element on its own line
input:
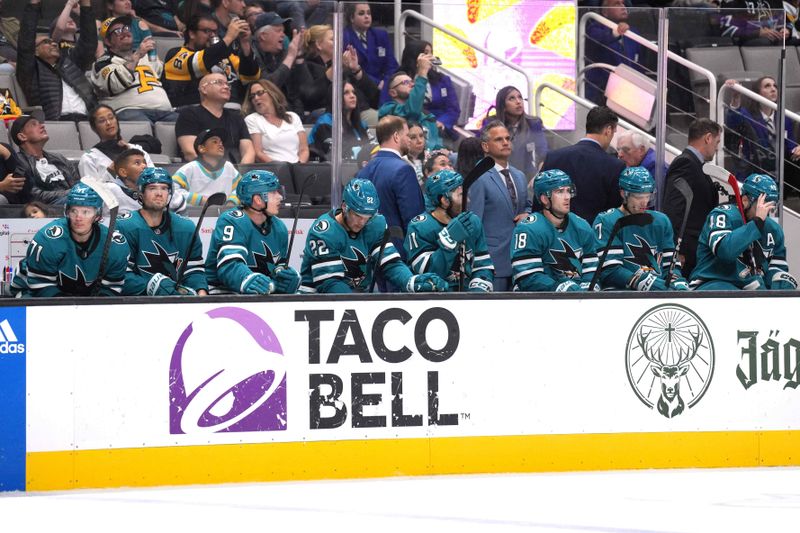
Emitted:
<point x="52" y="78"/>
<point x="48" y="176"/>
<point x="203" y="53"/>
<point x="211" y="113"/>
<point x="128" y="80"/>
<point x="210" y="173"/>
<point x="284" y="67"/>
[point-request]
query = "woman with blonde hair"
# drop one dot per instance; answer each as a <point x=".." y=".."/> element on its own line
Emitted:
<point x="276" y="132"/>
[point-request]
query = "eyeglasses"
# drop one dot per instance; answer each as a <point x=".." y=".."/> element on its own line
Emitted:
<point x="257" y="94"/>
<point x="399" y="83"/>
<point x="120" y="30"/>
<point x="45" y="41"/>
<point x="216" y="82"/>
<point x="207" y="31"/>
<point x="106" y="120"/>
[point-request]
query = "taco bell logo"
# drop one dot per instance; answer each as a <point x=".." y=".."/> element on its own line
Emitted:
<point x="227" y="374"/>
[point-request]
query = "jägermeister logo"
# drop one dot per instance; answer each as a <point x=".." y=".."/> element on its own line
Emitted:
<point x="670" y="359"/>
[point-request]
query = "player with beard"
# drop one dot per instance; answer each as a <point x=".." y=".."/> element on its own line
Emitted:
<point x="434" y="239"/>
<point x="553" y="249"/>
<point x="65" y="256"/>
<point x="344" y="245"/>
<point x="249" y="246"/>
<point x="157" y="240"/>
<point x="640" y="256"/>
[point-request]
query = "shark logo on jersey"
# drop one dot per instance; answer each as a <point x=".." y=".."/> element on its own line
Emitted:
<point x="227" y="374"/>
<point x="265" y="260"/>
<point x="77" y="286"/>
<point x="54" y="232"/>
<point x="161" y="262"/>
<point x="566" y="261"/>
<point x="321" y="225"/>
<point x="353" y="266"/>
<point x="642" y="254"/>
<point x="670" y="359"/>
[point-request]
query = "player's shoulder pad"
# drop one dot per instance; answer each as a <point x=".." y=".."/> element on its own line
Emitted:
<point x="530" y="219"/>
<point x="724" y="207"/>
<point x="180" y="222"/>
<point x="279" y="225"/>
<point x="579" y="222"/>
<point x="118" y="238"/>
<point x="55" y="230"/>
<point x="323" y="224"/>
<point x="126" y="215"/>
<point x="420" y="218"/>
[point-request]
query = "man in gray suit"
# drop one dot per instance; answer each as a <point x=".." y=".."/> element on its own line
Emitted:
<point x="499" y="198"/>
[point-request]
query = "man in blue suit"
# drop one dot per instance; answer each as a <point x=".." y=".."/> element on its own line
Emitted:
<point x="500" y="199"/>
<point x="373" y="46"/>
<point x="594" y="172"/>
<point x="395" y="179"/>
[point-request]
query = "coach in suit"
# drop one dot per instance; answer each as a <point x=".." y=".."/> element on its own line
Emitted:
<point x="594" y="172"/>
<point x="500" y="198"/>
<point x="373" y="45"/>
<point x="704" y="136"/>
<point x="394" y="178"/>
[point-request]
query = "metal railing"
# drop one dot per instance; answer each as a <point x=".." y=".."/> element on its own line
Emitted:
<point x="712" y="79"/>
<point x="400" y="43"/>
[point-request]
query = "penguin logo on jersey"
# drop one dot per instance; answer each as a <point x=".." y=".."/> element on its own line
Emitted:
<point x="669" y="358"/>
<point x="243" y="388"/>
<point x="54" y="232"/>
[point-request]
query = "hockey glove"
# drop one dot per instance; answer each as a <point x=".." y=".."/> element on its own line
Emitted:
<point x="456" y="231"/>
<point x="161" y="285"/>
<point x="783" y="281"/>
<point x="756" y="284"/>
<point x="426" y="283"/>
<point x="287" y="280"/>
<point x="646" y="281"/>
<point x="185" y="291"/>
<point x="679" y="285"/>
<point x="479" y="285"/>
<point x="568" y="286"/>
<point x="585" y="286"/>
<point x="257" y="283"/>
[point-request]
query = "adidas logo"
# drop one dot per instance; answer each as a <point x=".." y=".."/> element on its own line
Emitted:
<point x="8" y="339"/>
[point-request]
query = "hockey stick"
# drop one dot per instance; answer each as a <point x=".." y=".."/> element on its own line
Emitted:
<point x="391" y="232"/>
<point x="481" y="167"/>
<point x="688" y="195"/>
<point x="113" y="208"/>
<point x="636" y="219"/>
<point x="218" y="198"/>
<point x="310" y="179"/>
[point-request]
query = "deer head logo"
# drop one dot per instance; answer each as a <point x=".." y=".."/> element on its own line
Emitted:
<point x="670" y="359"/>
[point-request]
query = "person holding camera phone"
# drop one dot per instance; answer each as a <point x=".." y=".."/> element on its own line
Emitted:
<point x="13" y="179"/>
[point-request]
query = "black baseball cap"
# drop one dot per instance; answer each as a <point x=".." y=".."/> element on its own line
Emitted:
<point x="270" y="18"/>
<point x="17" y="126"/>
<point x="207" y="134"/>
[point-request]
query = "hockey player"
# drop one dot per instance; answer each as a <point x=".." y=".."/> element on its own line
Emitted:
<point x="343" y="245"/>
<point x="64" y="258"/>
<point x="553" y="249"/>
<point x="748" y="254"/>
<point x="434" y="240"/>
<point x="249" y="245"/>
<point x="640" y="256"/>
<point x="158" y="239"/>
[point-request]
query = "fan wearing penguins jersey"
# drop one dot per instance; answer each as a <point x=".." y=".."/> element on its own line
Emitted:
<point x="553" y="249"/>
<point x="158" y="239"/>
<point x="735" y="253"/>
<point x="64" y="258"/>
<point x="640" y="256"/>
<point x="434" y="240"/>
<point x="249" y="246"/>
<point x="343" y="246"/>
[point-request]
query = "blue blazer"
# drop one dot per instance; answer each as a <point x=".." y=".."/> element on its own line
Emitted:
<point x="398" y="190"/>
<point x="489" y="199"/>
<point x="444" y="104"/>
<point x="594" y="173"/>
<point x="377" y="58"/>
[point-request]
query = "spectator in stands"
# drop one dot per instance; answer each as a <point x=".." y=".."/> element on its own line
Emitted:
<point x="139" y="28"/>
<point x="416" y="149"/>
<point x="354" y="130"/>
<point x="527" y="132"/>
<point x="210" y="173"/>
<point x="64" y="29"/>
<point x="283" y="67"/>
<point x="48" y="176"/>
<point x="201" y="55"/>
<point x="440" y="96"/>
<point x="594" y="172"/>
<point x="11" y="185"/>
<point x="9" y="30"/>
<point x="276" y="132"/>
<point x="374" y="48"/>
<point x="704" y="137"/>
<point x="252" y="9"/>
<point x="318" y="47"/>
<point x="754" y="22"/>
<point x="162" y="15"/>
<point x="470" y="151"/>
<point x="128" y="80"/>
<point x="754" y="125"/>
<point x="635" y="151"/>
<point x="210" y="114"/>
<point x="225" y="11"/>
<point x="128" y="165"/>
<point x="604" y="45"/>
<point x="54" y="80"/>
<point x="34" y="210"/>
<point x="97" y="161"/>
<point x="304" y="13"/>
<point x="408" y="97"/>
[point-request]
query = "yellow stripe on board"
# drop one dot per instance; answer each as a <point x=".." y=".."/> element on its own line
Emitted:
<point x="186" y="465"/>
